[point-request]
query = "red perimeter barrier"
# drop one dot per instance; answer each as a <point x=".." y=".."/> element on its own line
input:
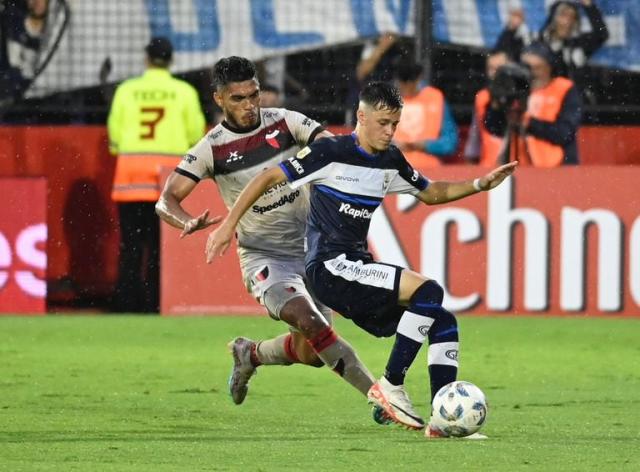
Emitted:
<point x="82" y="244"/>
<point x="23" y="234"/>
<point x="547" y="241"/>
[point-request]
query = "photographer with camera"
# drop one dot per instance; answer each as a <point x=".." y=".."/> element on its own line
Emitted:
<point x="482" y="147"/>
<point x="542" y="133"/>
<point x="562" y="33"/>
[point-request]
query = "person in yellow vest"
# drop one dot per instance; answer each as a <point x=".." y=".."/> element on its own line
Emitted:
<point x="547" y="129"/>
<point x="482" y="147"/>
<point x="427" y="133"/>
<point x="154" y="119"/>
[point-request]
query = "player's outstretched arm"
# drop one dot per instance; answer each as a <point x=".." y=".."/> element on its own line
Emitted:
<point x="442" y="192"/>
<point x="169" y="209"/>
<point x="220" y="239"/>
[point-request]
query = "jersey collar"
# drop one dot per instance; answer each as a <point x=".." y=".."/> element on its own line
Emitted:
<point x="361" y="149"/>
<point x="233" y="129"/>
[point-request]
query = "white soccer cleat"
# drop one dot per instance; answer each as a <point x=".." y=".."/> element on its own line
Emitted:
<point x="242" y="370"/>
<point x="393" y="399"/>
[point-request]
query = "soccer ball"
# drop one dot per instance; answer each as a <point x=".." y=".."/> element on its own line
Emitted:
<point x="459" y="409"/>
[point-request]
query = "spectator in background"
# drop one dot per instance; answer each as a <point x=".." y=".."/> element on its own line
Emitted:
<point x="273" y="71"/>
<point x="427" y="133"/>
<point x="547" y="130"/>
<point x="21" y="31"/>
<point x="561" y="33"/>
<point x="378" y="61"/>
<point x="153" y="121"/>
<point x="270" y="96"/>
<point x="482" y="147"/>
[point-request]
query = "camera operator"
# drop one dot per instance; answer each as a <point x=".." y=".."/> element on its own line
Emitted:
<point x="543" y="133"/>
<point x="482" y="147"/>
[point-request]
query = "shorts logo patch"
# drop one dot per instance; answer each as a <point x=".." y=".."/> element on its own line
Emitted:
<point x="290" y="289"/>
<point x="423" y="330"/>
<point x="452" y="354"/>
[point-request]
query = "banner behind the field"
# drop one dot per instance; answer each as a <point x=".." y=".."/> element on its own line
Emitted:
<point x="546" y="241"/>
<point x="23" y="237"/>
<point x="479" y="23"/>
<point x="203" y="31"/>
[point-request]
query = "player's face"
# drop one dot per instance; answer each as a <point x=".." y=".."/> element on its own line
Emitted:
<point x="377" y="127"/>
<point x="240" y="103"/>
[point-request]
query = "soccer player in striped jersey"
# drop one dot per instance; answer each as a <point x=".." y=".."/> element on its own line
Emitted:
<point x="351" y="175"/>
<point x="270" y="243"/>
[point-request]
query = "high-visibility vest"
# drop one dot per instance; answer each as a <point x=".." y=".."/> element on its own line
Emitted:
<point x="490" y="144"/>
<point x="545" y="104"/>
<point x="153" y="121"/>
<point x="421" y="120"/>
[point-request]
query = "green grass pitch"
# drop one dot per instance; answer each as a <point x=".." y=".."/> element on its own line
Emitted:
<point x="131" y="393"/>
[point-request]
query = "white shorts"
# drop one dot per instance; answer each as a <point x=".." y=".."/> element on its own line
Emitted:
<point x="273" y="283"/>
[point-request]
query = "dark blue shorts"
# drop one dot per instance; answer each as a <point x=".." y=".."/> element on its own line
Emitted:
<point x="360" y="289"/>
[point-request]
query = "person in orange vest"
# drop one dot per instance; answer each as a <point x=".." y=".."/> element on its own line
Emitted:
<point x="153" y="121"/>
<point x="482" y="147"/>
<point x="427" y="133"/>
<point x="545" y="134"/>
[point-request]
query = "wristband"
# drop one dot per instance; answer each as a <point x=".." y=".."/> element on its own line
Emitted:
<point x="476" y="185"/>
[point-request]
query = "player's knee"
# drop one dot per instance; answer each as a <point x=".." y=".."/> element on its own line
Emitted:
<point x="304" y="318"/>
<point x="444" y="328"/>
<point x="429" y="292"/>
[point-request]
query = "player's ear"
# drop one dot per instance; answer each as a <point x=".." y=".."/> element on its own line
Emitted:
<point x="217" y="98"/>
<point x="360" y="115"/>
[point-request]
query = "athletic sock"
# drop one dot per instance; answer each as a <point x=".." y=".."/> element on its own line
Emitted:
<point x="443" y="351"/>
<point x="276" y="351"/>
<point x="413" y="329"/>
<point x="336" y="353"/>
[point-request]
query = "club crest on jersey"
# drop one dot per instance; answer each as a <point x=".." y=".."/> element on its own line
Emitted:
<point x="271" y="139"/>
<point x="385" y="183"/>
<point x="234" y="156"/>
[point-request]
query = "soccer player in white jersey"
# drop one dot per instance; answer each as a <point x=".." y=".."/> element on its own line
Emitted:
<point x="351" y="175"/>
<point x="270" y="240"/>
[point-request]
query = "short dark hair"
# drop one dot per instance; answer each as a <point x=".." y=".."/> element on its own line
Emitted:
<point x="232" y="69"/>
<point x="381" y="95"/>
<point x="159" y="51"/>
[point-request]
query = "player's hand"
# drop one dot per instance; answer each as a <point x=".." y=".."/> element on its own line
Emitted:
<point x="201" y="222"/>
<point x="218" y="242"/>
<point x="387" y="40"/>
<point x="496" y="176"/>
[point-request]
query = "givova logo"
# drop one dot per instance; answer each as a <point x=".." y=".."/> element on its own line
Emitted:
<point x="355" y="212"/>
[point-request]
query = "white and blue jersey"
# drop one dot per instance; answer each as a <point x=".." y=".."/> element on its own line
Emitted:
<point x="348" y="185"/>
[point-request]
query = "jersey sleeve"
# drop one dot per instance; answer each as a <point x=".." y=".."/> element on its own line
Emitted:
<point x="197" y="163"/>
<point x="303" y="129"/>
<point x="312" y="164"/>
<point x="407" y="180"/>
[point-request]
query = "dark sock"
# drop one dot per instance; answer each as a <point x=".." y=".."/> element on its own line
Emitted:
<point x="413" y="329"/>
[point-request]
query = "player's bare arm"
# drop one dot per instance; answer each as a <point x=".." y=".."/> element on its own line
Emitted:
<point x="442" y="192"/>
<point x="170" y="210"/>
<point x="219" y="239"/>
